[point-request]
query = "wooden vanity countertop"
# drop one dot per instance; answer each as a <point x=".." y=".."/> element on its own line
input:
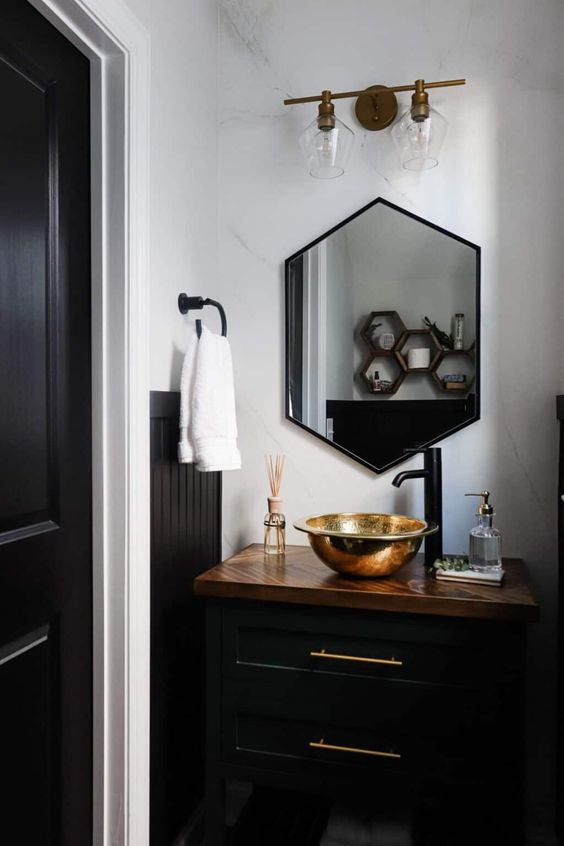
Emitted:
<point x="299" y="577"/>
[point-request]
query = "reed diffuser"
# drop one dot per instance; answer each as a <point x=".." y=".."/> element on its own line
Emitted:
<point x="274" y="521"/>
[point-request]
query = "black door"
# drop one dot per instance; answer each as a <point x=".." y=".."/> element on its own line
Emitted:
<point x="45" y="435"/>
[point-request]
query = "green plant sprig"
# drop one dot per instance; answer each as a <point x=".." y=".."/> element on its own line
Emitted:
<point x="445" y="340"/>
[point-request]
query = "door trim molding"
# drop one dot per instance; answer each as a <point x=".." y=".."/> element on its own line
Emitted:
<point x="119" y="51"/>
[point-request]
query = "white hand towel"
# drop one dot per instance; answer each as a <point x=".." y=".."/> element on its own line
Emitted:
<point x="214" y="425"/>
<point x="186" y="453"/>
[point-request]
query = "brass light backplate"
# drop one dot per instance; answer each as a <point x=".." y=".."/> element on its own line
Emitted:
<point x="376" y="112"/>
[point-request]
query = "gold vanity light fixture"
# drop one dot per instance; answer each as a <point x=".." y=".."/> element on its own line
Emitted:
<point x="418" y="134"/>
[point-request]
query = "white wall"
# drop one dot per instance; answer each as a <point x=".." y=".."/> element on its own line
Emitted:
<point x="183" y="169"/>
<point x="500" y="184"/>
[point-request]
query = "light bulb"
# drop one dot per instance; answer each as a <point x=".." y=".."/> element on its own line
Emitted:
<point x="327" y="148"/>
<point x="421" y="130"/>
<point x="328" y="145"/>
<point x="419" y="141"/>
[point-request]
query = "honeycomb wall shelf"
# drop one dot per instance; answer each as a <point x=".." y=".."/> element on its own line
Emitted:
<point x="396" y="358"/>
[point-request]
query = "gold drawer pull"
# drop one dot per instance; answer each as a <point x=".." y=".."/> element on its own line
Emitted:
<point x="322" y="745"/>
<point x="389" y="661"/>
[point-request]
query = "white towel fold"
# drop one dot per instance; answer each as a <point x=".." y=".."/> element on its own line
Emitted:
<point x="186" y="453"/>
<point x="208" y="411"/>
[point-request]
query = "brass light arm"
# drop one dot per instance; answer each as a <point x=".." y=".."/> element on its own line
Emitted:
<point x="332" y="748"/>
<point x="393" y="88"/>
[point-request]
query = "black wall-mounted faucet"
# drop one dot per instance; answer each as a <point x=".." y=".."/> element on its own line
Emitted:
<point x="432" y="474"/>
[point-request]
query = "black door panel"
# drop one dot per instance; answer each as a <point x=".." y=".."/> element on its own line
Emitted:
<point x="45" y="434"/>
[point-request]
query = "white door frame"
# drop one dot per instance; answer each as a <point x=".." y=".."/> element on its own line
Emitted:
<point x="118" y="48"/>
<point x="314" y="377"/>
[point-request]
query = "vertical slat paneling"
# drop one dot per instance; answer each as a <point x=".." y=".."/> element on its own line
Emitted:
<point x="560" y="727"/>
<point x="185" y="541"/>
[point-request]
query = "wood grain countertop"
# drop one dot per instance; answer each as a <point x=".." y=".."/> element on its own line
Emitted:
<point x="299" y="577"/>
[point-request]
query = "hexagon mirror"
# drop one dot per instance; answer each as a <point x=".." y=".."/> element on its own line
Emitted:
<point x="383" y="335"/>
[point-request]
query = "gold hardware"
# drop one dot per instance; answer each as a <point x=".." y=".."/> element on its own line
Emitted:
<point x="485" y="506"/>
<point x="389" y="661"/>
<point x="340" y="95"/>
<point x="420" y="102"/>
<point x="376" y="106"/>
<point x="376" y="753"/>
<point x="326" y="112"/>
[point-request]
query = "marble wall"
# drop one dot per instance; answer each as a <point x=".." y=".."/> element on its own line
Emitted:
<point x="183" y="169"/>
<point x="500" y="184"/>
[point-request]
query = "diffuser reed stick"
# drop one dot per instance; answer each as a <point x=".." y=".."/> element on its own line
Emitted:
<point x="274" y="521"/>
<point x="274" y="468"/>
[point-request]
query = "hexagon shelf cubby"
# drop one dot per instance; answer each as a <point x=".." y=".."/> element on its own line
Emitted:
<point x="427" y="339"/>
<point x="388" y="369"/>
<point x="464" y="360"/>
<point x="391" y="323"/>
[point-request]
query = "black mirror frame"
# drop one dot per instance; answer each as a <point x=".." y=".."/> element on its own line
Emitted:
<point x="475" y="416"/>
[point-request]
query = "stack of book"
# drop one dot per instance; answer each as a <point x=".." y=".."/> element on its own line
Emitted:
<point x="455" y="382"/>
<point x="455" y="569"/>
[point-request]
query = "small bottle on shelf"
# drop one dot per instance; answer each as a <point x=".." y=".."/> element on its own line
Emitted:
<point x="458" y="331"/>
<point x="376" y="382"/>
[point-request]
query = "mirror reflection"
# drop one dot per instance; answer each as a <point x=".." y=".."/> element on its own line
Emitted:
<point x="382" y="330"/>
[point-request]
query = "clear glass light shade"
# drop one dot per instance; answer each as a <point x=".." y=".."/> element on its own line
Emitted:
<point x="327" y="150"/>
<point x="419" y="142"/>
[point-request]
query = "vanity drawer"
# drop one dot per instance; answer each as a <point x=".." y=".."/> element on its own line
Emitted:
<point x="440" y="710"/>
<point x="333" y="642"/>
<point x="290" y="744"/>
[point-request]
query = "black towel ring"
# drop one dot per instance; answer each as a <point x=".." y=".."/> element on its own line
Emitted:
<point x="186" y="304"/>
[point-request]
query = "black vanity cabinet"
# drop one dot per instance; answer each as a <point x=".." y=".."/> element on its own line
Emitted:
<point x="560" y="710"/>
<point x="406" y="691"/>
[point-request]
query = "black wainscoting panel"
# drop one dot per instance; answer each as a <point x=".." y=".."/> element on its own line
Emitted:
<point x="29" y="769"/>
<point x="185" y="541"/>
<point x="560" y="711"/>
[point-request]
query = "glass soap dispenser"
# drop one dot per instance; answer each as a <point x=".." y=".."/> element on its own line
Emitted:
<point x="485" y="541"/>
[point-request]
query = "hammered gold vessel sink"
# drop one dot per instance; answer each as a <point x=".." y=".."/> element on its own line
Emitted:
<point x="365" y="545"/>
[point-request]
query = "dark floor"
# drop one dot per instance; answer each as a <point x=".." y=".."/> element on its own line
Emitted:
<point x="280" y="818"/>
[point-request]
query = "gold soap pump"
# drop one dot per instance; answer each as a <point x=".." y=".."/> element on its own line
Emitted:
<point x="484" y="554"/>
